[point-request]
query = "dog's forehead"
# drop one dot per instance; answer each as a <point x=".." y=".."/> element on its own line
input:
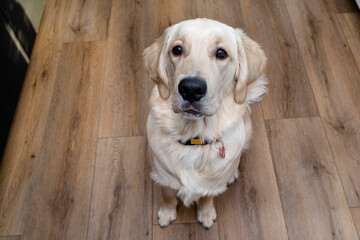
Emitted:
<point x="201" y="29"/>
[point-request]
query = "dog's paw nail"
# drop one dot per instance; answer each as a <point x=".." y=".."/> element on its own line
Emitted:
<point x="206" y="218"/>
<point x="166" y="216"/>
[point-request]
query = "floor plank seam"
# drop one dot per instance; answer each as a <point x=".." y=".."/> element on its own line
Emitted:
<point x="97" y="139"/>
<point x="92" y="189"/>
<point x="218" y="218"/>
<point x="352" y="215"/>
<point x="342" y="35"/>
<point x="289" y="118"/>
<point x="88" y="41"/>
<point x="337" y="172"/>
<point x="115" y="137"/>
<point x="276" y="177"/>
<point x="10" y="236"/>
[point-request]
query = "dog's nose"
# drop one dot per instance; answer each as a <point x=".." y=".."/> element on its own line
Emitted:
<point x="192" y="89"/>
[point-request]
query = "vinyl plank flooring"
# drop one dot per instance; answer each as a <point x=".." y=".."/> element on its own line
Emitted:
<point x="125" y="103"/>
<point x="251" y="208"/>
<point x="189" y="231"/>
<point x="290" y="94"/>
<point x="28" y="127"/>
<point x="356" y="216"/>
<point x="71" y="171"/>
<point x="60" y="199"/>
<point x="313" y="199"/>
<point x="349" y="23"/>
<point x="335" y="81"/>
<point x="121" y="202"/>
<point x="87" y="20"/>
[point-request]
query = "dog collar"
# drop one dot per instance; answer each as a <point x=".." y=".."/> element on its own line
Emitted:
<point x="197" y="141"/>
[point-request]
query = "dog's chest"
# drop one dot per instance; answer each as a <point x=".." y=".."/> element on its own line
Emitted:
<point x="194" y="166"/>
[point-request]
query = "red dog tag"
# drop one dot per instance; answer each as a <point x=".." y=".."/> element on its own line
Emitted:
<point x="221" y="147"/>
<point x="222" y="152"/>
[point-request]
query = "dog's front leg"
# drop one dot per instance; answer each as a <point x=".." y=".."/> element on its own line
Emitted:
<point x="206" y="213"/>
<point x="167" y="212"/>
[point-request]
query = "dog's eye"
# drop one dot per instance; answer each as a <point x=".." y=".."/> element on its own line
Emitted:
<point x="177" y="50"/>
<point x="221" y="54"/>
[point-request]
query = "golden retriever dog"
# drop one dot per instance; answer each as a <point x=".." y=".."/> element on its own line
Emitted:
<point x="207" y="73"/>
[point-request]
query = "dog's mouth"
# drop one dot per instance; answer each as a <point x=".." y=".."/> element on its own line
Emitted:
<point x="192" y="113"/>
<point x="192" y="110"/>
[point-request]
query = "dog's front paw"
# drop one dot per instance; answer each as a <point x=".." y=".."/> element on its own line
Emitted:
<point x="206" y="217"/>
<point x="234" y="178"/>
<point x="166" y="216"/>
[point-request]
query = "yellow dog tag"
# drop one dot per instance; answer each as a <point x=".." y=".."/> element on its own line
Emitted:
<point x="196" y="141"/>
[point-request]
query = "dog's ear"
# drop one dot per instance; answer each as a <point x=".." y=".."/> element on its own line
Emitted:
<point x="154" y="58"/>
<point x="251" y="64"/>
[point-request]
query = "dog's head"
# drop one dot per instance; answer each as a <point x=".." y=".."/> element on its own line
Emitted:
<point x="197" y="61"/>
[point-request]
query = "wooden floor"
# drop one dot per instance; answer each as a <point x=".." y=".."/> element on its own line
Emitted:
<point x="75" y="163"/>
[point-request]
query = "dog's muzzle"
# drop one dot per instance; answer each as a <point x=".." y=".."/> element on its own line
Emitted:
<point x="192" y="91"/>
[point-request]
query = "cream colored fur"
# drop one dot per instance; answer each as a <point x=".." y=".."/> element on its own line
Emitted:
<point x="195" y="172"/>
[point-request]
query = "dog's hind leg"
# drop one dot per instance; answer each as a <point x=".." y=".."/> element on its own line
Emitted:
<point x="167" y="211"/>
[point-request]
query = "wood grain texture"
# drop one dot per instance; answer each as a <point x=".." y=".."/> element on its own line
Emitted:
<point x="87" y="20"/>
<point x="124" y="106"/>
<point x="64" y="170"/>
<point x="226" y="13"/>
<point x="313" y="200"/>
<point x="184" y="214"/>
<point x="335" y="81"/>
<point x="251" y="208"/>
<point x="349" y="24"/>
<point x="11" y="238"/>
<point x="29" y="123"/>
<point x="190" y="231"/>
<point x="290" y="94"/>
<point x="121" y="202"/>
<point x="356" y="216"/>
<point x="168" y="13"/>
